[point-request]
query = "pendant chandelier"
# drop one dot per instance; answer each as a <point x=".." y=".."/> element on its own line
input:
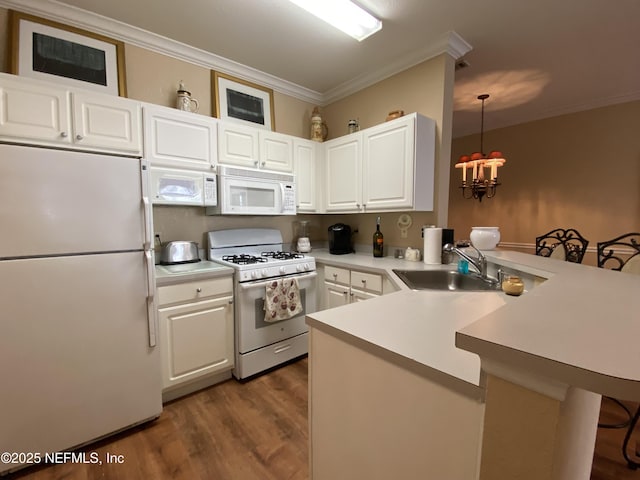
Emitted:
<point x="479" y="185"/>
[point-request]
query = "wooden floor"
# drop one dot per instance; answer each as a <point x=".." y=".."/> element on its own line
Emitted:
<point x="245" y="431"/>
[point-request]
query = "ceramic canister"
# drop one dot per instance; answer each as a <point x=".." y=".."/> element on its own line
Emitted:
<point x="485" y="238"/>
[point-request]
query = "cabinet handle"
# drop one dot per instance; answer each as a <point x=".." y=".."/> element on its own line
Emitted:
<point x="230" y="302"/>
<point x="78" y="137"/>
<point x="364" y="281"/>
<point x="335" y="276"/>
<point x="63" y="134"/>
<point x="199" y="290"/>
<point x="264" y="163"/>
<point x="255" y="163"/>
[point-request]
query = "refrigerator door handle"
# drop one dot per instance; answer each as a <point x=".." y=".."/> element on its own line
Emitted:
<point x="146" y="205"/>
<point x="151" y="302"/>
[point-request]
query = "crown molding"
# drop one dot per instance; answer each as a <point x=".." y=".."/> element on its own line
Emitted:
<point x="450" y="43"/>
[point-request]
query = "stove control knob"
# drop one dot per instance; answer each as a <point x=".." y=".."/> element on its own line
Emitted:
<point x="298" y="268"/>
<point x="264" y="272"/>
<point x="306" y="267"/>
<point x="283" y="270"/>
<point x="254" y="274"/>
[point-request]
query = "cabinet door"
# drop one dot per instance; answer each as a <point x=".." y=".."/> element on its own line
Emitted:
<point x="107" y="123"/>
<point x="197" y="340"/>
<point x="343" y="174"/>
<point x="180" y="139"/>
<point x="360" y="296"/>
<point x="31" y="112"/>
<point x="276" y="151"/>
<point x="335" y="295"/>
<point x="388" y="158"/>
<point x="238" y="145"/>
<point x="366" y="282"/>
<point x="306" y="175"/>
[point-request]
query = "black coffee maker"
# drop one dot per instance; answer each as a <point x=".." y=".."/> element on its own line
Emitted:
<point x="340" y="239"/>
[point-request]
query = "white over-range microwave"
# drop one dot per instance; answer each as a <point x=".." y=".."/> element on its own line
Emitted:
<point x="171" y="186"/>
<point x="254" y="192"/>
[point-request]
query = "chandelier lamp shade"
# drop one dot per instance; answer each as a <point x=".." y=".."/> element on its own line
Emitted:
<point x="478" y="183"/>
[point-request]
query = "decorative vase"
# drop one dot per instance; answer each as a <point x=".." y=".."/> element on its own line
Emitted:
<point x="485" y="238"/>
<point x="319" y="130"/>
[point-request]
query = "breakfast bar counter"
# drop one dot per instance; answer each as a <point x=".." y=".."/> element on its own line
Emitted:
<point x="545" y="356"/>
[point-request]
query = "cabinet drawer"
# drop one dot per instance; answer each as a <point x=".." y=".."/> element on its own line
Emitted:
<point x="195" y="290"/>
<point x="337" y="275"/>
<point x="369" y="282"/>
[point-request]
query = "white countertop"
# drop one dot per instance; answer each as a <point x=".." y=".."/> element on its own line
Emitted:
<point x="171" y="274"/>
<point x="581" y="326"/>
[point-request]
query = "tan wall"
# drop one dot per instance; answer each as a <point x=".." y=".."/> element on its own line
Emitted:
<point x="579" y="171"/>
<point x="426" y="88"/>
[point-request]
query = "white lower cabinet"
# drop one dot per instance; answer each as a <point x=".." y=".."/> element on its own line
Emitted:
<point x="343" y="286"/>
<point x="196" y="333"/>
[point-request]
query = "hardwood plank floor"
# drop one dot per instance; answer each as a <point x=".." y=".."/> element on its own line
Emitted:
<point x="245" y="431"/>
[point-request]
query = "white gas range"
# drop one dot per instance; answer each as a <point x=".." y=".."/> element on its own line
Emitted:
<point x="260" y="263"/>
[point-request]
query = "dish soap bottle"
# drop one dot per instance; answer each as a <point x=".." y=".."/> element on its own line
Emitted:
<point x="378" y="240"/>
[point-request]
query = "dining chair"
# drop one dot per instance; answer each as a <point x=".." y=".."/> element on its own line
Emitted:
<point x="562" y="244"/>
<point x="622" y="254"/>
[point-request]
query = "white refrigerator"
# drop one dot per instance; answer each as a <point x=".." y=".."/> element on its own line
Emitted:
<point x="78" y="354"/>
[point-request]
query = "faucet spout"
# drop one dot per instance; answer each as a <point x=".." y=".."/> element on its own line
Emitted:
<point x="479" y="263"/>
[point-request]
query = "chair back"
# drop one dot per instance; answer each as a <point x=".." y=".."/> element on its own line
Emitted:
<point x="567" y="245"/>
<point x="621" y="253"/>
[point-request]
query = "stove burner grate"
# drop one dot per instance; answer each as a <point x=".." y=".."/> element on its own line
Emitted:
<point x="282" y="255"/>
<point x="243" y="259"/>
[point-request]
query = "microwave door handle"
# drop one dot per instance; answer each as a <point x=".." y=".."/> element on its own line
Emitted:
<point x="281" y="197"/>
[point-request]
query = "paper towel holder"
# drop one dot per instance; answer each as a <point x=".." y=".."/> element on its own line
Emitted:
<point x="404" y="222"/>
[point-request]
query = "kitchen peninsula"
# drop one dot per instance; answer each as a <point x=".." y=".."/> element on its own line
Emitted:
<point x="429" y="384"/>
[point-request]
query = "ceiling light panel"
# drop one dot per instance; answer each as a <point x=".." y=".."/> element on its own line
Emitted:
<point x="343" y="15"/>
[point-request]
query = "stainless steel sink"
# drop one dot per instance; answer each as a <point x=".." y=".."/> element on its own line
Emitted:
<point x="445" y="280"/>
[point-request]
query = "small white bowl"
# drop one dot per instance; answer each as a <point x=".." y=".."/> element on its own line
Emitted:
<point x="485" y="238"/>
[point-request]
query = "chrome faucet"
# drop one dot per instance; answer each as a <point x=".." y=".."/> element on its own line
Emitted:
<point x="480" y="263"/>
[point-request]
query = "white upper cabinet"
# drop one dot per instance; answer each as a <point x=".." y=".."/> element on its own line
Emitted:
<point x="389" y="167"/>
<point x="238" y="145"/>
<point x="343" y="164"/>
<point x="173" y="138"/>
<point x="308" y="175"/>
<point x="107" y="123"/>
<point x="250" y="147"/>
<point x="42" y="113"/>
<point x="276" y="151"/>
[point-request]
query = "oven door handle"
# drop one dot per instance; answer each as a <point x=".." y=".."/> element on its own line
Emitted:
<point x="248" y="285"/>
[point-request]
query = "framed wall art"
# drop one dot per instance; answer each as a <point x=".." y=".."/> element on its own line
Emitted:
<point x="48" y="50"/>
<point x="241" y="101"/>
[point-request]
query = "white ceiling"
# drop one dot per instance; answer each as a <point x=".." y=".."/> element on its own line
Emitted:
<point x="535" y="58"/>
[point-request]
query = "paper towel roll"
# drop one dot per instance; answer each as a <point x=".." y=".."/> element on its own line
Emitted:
<point x="432" y="245"/>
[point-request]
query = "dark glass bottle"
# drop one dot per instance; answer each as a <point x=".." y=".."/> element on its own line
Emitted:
<point x="378" y="240"/>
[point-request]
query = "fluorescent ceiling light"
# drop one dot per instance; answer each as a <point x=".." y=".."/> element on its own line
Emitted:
<point x="344" y="15"/>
